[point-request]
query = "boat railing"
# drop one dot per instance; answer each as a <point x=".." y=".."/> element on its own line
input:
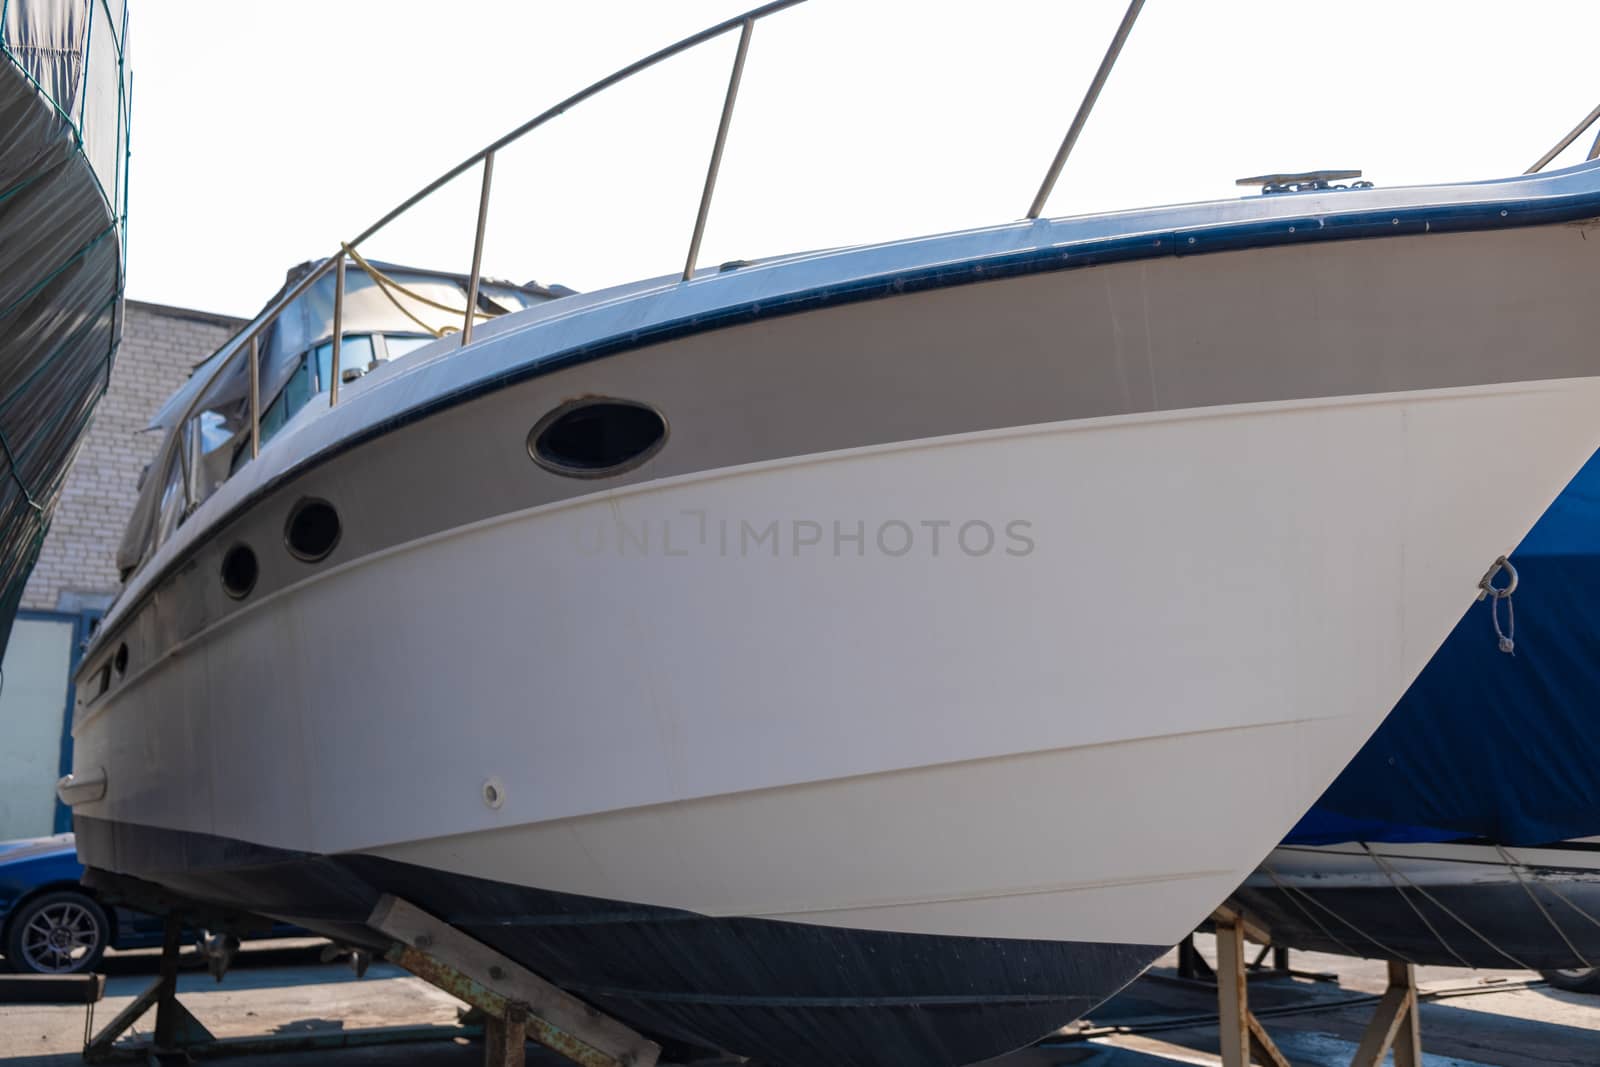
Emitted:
<point x="1561" y="145"/>
<point x="248" y="344"/>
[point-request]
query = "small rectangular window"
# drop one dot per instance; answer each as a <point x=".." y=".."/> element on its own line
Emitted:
<point x="354" y="354"/>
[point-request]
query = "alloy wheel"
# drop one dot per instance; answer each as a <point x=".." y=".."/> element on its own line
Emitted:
<point x="60" y="937"/>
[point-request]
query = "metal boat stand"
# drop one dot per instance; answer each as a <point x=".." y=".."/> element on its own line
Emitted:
<point x="176" y="1028"/>
<point x="1192" y="966"/>
<point x="516" y="1004"/>
<point x="179" y="1037"/>
<point x="1394" y="1026"/>
<point x="520" y="1005"/>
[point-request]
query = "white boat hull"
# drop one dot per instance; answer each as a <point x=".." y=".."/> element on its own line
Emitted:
<point x="1042" y="740"/>
<point x="729" y="742"/>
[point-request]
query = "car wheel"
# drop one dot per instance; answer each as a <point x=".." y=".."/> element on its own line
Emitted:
<point x="64" y="932"/>
<point x="1575" y="979"/>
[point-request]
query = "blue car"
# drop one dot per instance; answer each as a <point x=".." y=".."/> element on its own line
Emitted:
<point x="49" y="924"/>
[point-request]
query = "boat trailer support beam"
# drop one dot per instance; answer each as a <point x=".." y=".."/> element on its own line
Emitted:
<point x="1394" y="1026"/>
<point x="1244" y="1040"/>
<point x="175" y="1027"/>
<point x="520" y="1004"/>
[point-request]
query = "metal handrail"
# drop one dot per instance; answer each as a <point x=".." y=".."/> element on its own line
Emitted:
<point x="1561" y="145"/>
<point x="1081" y="119"/>
<point x="716" y="148"/>
<point x="249" y="341"/>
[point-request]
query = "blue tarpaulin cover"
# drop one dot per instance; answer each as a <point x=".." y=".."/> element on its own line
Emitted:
<point x="1485" y="744"/>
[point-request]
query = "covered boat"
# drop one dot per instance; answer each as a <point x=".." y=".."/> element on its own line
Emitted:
<point x="1490" y="744"/>
<point x="768" y="655"/>
<point x="1434" y="844"/>
<point x="63" y="212"/>
<point x="1450" y="904"/>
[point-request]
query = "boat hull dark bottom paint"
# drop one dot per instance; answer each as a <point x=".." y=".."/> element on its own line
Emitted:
<point x="778" y="992"/>
<point x="1507" y="930"/>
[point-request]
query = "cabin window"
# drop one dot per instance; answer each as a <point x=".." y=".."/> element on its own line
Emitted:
<point x="355" y="354"/>
<point x="290" y="399"/>
<point x="312" y="530"/>
<point x="399" y="344"/>
<point x="239" y="571"/>
<point x="597" y="437"/>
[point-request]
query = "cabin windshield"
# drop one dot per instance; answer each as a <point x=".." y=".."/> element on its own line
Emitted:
<point x="229" y="396"/>
<point x="311" y="377"/>
<point x="207" y="421"/>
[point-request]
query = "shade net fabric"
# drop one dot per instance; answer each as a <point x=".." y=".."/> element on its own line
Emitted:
<point x="63" y="210"/>
<point x="1489" y="744"/>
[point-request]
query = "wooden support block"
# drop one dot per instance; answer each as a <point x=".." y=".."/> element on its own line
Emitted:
<point x="552" y="1016"/>
<point x="1262" y="1046"/>
<point x="1243" y="1038"/>
<point x="1394" y="1024"/>
<point x="1233" y="997"/>
<point x="1252" y="930"/>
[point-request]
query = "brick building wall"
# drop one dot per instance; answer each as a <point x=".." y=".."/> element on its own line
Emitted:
<point x="160" y="347"/>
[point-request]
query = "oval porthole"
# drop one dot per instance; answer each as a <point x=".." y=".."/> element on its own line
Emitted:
<point x="119" y="662"/>
<point x="239" y="571"/>
<point x="312" y="530"/>
<point x="597" y="437"/>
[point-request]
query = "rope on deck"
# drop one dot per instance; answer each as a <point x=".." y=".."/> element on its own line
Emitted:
<point x="389" y="286"/>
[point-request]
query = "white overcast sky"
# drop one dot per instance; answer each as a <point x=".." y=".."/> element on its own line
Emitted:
<point x="264" y="133"/>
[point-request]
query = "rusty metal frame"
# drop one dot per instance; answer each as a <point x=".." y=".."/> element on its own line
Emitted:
<point x="520" y="1005"/>
<point x="1395" y="1025"/>
<point x="510" y="1025"/>
<point x="1242" y="1037"/>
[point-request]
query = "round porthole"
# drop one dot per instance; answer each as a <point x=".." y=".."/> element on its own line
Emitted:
<point x="597" y="437"/>
<point x="239" y="571"/>
<point x="119" y="662"/>
<point x="312" y="530"/>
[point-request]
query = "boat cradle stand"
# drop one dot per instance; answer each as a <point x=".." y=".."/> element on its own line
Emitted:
<point x="517" y="1005"/>
<point x="1394" y="1026"/>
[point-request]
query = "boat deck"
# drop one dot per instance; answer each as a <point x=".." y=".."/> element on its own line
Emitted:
<point x="1469" y="1018"/>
